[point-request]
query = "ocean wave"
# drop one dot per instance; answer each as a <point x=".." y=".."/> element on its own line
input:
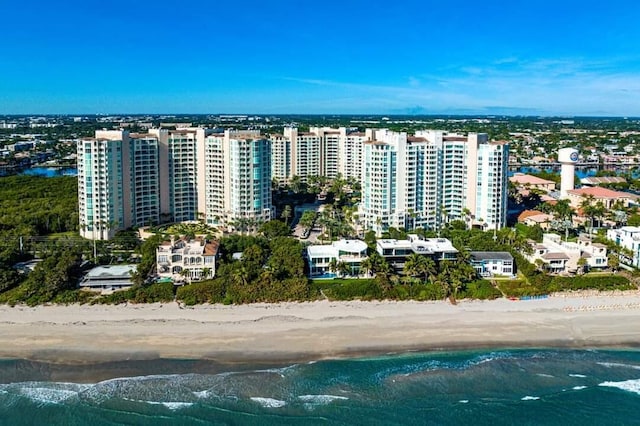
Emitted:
<point x="627" y="385"/>
<point x="171" y="405"/>
<point x="582" y="376"/>
<point x="202" y="394"/>
<point x="48" y="395"/>
<point x="321" y="399"/>
<point x="268" y="402"/>
<point x="530" y="398"/>
<point x="618" y="364"/>
<point x="578" y="387"/>
<point x="464" y="401"/>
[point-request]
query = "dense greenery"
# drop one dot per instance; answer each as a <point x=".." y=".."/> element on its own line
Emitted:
<point x="269" y="270"/>
<point x="544" y="284"/>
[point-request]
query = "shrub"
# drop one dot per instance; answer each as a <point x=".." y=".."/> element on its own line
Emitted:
<point x="482" y="289"/>
<point x="212" y="291"/>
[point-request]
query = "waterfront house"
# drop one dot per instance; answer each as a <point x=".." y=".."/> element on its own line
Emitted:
<point x="493" y="263"/>
<point x="323" y="258"/>
<point x="185" y="260"/>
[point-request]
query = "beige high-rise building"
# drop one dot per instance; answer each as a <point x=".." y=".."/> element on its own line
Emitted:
<point x="238" y="178"/>
<point x="323" y="151"/>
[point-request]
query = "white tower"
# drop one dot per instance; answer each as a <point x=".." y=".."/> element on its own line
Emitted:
<point x="567" y="157"/>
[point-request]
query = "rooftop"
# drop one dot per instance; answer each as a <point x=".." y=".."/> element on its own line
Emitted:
<point x="598" y="192"/>
<point x="111" y="271"/>
<point x="491" y="255"/>
<point x="523" y="179"/>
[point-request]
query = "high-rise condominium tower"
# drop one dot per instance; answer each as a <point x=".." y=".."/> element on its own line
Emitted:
<point x="104" y="196"/>
<point x="238" y="177"/>
<point x="431" y="178"/>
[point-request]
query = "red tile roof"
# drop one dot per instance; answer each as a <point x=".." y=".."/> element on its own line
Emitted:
<point x="598" y="192"/>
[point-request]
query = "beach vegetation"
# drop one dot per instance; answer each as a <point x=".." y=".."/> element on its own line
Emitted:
<point x="153" y="293"/>
<point x="542" y="284"/>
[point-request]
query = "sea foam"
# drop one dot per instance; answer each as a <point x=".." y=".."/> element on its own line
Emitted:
<point x="530" y="398"/>
<point x="48" y="395"/>
<point x="627" y="385"/>
<point x="268" y="402"/>
<point x="321" y="399"/>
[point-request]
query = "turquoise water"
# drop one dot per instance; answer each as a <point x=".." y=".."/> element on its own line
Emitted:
<point x="50" y="171"/>
<point x="523" y="387"/>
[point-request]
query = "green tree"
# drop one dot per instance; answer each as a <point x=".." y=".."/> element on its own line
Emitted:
<point x="286" y="214"/>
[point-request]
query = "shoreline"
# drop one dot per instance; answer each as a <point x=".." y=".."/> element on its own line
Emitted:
<point x="264" y="334"/>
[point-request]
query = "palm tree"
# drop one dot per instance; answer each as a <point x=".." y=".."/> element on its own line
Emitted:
<point x="366" y="266"/>
<point x="586" y="205"/>
<point x="186" y="274"/>
<point x="467" y="217"/>
<point x="206" y="272"/>
<point x="286" y="214"/>
<point x="417" y="265"/>
<point x="295" y="183"/>
<point x="333" y="265"/>
<point x="343" y="268"/>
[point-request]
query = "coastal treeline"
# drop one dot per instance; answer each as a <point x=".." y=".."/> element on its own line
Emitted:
<point x="35" y="212"/>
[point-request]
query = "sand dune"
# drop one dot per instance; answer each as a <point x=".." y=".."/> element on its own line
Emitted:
<point x="302" y="331"/>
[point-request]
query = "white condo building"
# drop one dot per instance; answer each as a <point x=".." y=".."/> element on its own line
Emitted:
<point x="178" y="153"/>
<point x="431" y="178"/>
<point x="322" y="151"/>
<point x="145" y="181"/>
<point x="238" y="177"/>
<point x="103" y="192"/>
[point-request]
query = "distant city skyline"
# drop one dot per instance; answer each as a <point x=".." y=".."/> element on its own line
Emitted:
<point x="573" y="58"/>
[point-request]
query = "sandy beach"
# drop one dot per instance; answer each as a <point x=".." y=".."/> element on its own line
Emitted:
<point x="303" y="331"/>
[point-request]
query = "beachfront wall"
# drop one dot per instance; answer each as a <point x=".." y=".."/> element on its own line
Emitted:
<point x="186" y="260"/>
<point x="323" y="258"/>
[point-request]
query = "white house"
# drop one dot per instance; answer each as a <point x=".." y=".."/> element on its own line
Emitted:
<point x="108" y="278"/>
<point x="196" y="257"/>
<point x="352" y="252"/>
<point x="629" y="238"/>
<point x="492" y="263"/>
<point x="395" y="252"/>
<point x="560" y="256"/>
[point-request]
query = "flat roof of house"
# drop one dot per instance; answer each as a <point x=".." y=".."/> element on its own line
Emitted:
<point x="325" y="250"/>
<point x="111" y="271"/>
<point x="391" y="243"/>
<point x="351" y="246"/>
<point x="491" y="255"/>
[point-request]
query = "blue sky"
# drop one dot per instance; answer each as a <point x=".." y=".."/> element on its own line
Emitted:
<point x="435" y="57"/>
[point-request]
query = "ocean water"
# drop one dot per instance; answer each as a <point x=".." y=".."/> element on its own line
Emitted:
<point x="500" y="387"/>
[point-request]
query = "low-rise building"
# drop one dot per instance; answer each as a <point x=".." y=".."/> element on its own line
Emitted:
<point x="559" y="256"/>
<point x="607" y="196"/>
<point x="493" y="263"/>
<point x="395" y="252"/>
<point x="627" y="237"/>
<point x="535" y="217"/>
<point x="525" y="181"/>
<point x="187" y="260"/>
<point x="322" y="258"/>
<point x="108" y="278"/>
